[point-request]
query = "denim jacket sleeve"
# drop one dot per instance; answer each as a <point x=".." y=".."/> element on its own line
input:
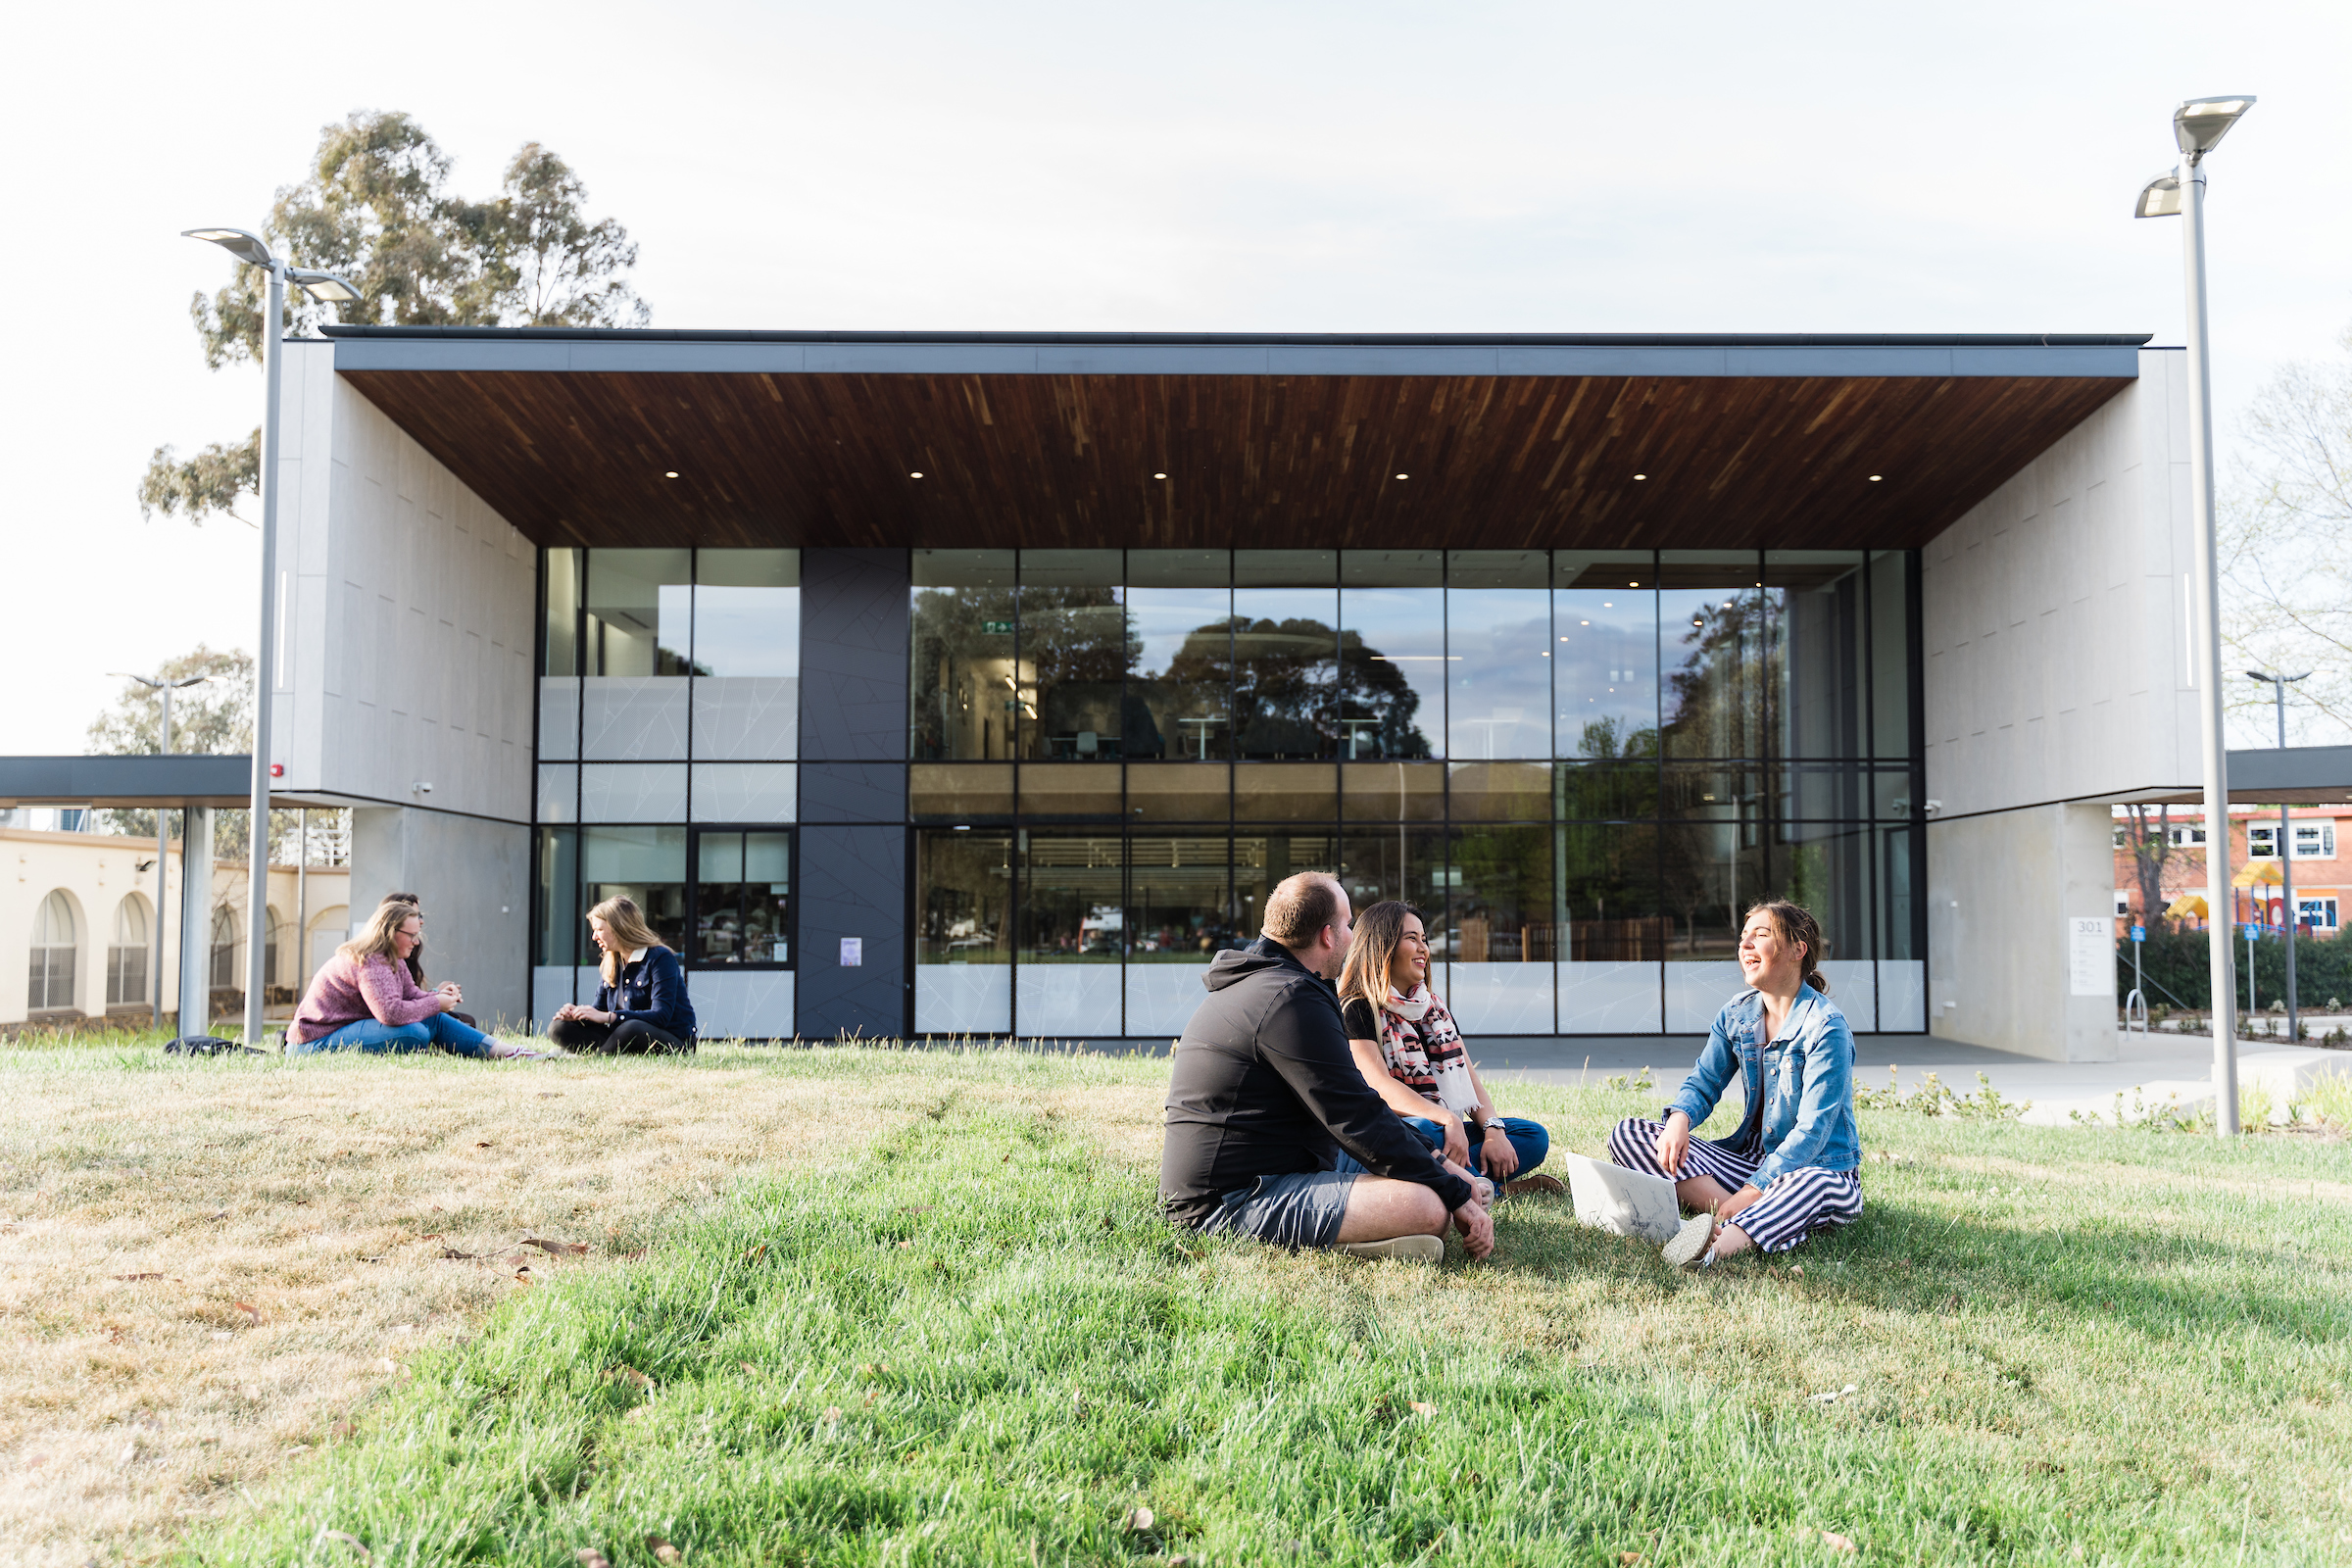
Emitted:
<point x="1718" y="1062"/>
<point x="1828" y="1044"/>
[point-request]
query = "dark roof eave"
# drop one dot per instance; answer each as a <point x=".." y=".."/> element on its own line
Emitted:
<point x="585" y="334"/>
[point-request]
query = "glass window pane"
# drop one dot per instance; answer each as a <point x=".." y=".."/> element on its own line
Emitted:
<point x="1393" y="792"/>
<point x="1285" y="792"/>
<point x="1498" y="653"/>
<point x="1604" y="613"/>
<point x="961" y="686"/>
<point x="1179" y="904"/>
<point x="964" y="932"/>
<point x="1499" y="882"/>
<point x="1392" y="654"/>
<point x="1178" y="568"/>
<point x="1826" y="867"/>
<point x="560" y="636"/>
<point x="745" y="792"/>
<point x="1074" y="643"/>
<point x="1709" y="872"/>
<point x="1813" y="616"/>
<point x="746" y="613"/>
<point x="639" y="619"/>
<point x="1260" y="862"/>
<point x="633" y="792"/>
<point x="1602" y="790"/>
<point x="645" y="864"/>
<point x="1070" y="789"/>
<point x="1178" y="792"/>
<point x="1500" y="792"/>
<point x="962" y="792"/>
<point x="1286" y="659"/>
<point x="1072" y="899"/>
<point x="1286" y="569"/>
<point x="1397" y="862"/>
<point x="556" y="864"/>
<point x="1710" y="651"/>
<point x="718" y="914"/>
<point x="1822" y="791"/>
<point x="1176" y="704"/>
<point x="1890" y="652"/>
<point x="1614" y="941"/>
<point x="558" y="797"/>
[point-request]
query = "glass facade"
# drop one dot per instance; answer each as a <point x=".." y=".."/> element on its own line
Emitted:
<point x="1581" y="766"/>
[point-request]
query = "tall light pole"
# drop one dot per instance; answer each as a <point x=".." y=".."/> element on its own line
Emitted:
<point x="2286" y="850"/>
<point x="2198" y="125"/>
<point x="163" y="838"/>
<point x="326" y="286"/>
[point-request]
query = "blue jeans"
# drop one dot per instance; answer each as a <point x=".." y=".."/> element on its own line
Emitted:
<point x="1528" y="1139"/>
<point x="366" y="1034"/>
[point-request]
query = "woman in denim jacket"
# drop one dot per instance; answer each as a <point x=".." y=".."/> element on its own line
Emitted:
<point x="1789" y="1170"/>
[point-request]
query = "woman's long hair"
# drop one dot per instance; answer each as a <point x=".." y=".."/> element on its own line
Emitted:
<point x="375" y="940"/>
<point x="626" y="922"/>
<point x="1798" y="928"/>
<point x="1377" y="930"/>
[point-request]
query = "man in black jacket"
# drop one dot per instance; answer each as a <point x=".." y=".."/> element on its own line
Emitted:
<point x="1271" y="1129"/>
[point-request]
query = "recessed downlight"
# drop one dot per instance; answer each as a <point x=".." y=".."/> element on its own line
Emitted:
<point x="1641" y="475"/>
<point x="1404" y="476"/>
<point x="1160" y="476"/>
<point x="671" y="474"/>
<point x="916" y="475"/>
<point x="1876" y="477"/>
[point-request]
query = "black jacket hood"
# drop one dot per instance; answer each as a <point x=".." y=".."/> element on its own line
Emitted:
<point x="1235" y="964"/>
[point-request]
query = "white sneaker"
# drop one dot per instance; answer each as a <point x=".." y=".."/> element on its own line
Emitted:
<point x="1689" y="1243"/>
<point x="516" y="1050"/>
<point x="1403" y="1249"/>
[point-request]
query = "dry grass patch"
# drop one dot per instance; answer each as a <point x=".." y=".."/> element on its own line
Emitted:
<point x="204" y="1266"/>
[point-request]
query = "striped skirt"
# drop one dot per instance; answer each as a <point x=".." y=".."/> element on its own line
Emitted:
<point x="1800" y="1202"/>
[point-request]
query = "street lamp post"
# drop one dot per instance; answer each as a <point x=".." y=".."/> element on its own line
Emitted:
<point x="2286" y="851"/>
<point x="163" y="839"/>
<point x="2198" y="125"/>
<point x="326" y="286"/>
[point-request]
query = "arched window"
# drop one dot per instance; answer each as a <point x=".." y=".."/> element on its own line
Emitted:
<point x="53" y="941"/>
<point x="327" y="933"/>
<point x="224" y="949"/>
<point x="127" y="959"/>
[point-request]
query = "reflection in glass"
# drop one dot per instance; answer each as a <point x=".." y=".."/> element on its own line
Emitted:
<point x="1608" y="877"/>
<point x="1286" y="792"/>
<point x="1076" y="647"/>
<point x="1176" y="706"/>
<point x="1393" y="792"/>
<point x="1392" y="658"/>
<point x="963" y="897"/>
<point x="1179" y="904"/>
<point x="1397" y="862"/>
<point x="1604" y="610"/>
<point x="1499" y="908"/>
<point x="1069" y="789"/>
<point x="555" y="867"/>
<point x="645" y="864"/>
<point x="742" y="899"/>
<point x="1498" y="653"/>
<point x="1711" y="646"/>
<point x="560" y="636"/>
<point x="1822" y="791"/>
<point x="1261" y="862"/>
<point x="962" y="685"/>
<point x="747" y="612"/>
<point x="1902" y="928"/>
<point x="1827" y="869"/>
<point x="1498" y="792"/>
<point x="1709" y="871"/>
<point x="1891" y="578"/>
<point x="960" y="792"/>
<point x="1286" y="662"/>
<point x="1813" y="616"/>
<point x="639" y="613"/>
<point x="1071" y="905"/>
<point x="1602" y="790"/>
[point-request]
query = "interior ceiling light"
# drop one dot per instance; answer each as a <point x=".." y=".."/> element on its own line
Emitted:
<point x="1160" y="476"/>
<point x="1404" y="476"/>
<point x="1641" y="475"/>
<point x="671" y="474"/>
<point x="916" y="475"/>
<point x="1874" y="478"/>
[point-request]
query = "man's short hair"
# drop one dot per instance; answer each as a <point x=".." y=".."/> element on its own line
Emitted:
<point x="1302" y="906"/>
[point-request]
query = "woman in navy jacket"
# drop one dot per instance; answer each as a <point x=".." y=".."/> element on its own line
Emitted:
<point x="642" y="1005"/>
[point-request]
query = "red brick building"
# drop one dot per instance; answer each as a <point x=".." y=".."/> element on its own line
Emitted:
<point x="2323" y="865"/>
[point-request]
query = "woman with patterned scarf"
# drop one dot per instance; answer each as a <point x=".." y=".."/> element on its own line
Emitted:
<point x="1411" y="1055"/>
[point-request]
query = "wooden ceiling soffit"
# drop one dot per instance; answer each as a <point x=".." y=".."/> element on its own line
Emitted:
<point x="1487" y="462"/>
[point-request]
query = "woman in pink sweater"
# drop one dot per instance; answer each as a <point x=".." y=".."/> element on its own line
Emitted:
<point x="364" y="997"/>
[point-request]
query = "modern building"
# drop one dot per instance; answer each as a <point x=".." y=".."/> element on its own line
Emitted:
<point x="983" y="683"/>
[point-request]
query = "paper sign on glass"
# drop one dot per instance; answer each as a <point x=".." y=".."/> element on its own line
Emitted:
<point x="853" y="953"/>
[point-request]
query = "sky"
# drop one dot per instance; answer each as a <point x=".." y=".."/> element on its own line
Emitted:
<point x="1259" y="167"/>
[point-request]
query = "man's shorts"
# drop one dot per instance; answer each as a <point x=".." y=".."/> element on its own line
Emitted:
<point x="1300" y="1210"/>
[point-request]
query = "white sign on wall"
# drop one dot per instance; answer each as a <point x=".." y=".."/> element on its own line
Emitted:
<point x="2091" y="956"/>
<point x="853" y="953"/>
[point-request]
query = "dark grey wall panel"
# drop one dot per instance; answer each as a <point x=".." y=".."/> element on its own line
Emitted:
<point x="853" y="884"/>
<point x="853" y="792"/>
<point x="852" y="655"/>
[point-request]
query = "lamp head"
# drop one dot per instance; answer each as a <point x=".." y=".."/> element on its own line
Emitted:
<point x="2200" y="123"/>
<point x="2159" y="197"/>
<point x="324" y="287"/>
<point x="244" y="246"/>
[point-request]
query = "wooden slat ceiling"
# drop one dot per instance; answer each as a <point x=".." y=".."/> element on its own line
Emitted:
<point x="1492" y="462"/>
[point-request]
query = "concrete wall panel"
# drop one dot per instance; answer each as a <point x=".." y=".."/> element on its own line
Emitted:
<point x="474" y="877"/>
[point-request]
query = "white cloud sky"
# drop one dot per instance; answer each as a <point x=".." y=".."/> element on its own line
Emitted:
<point x="1246" y="166"/>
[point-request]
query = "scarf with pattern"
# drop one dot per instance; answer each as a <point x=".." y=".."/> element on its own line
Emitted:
<point x="1424" y="1050"/>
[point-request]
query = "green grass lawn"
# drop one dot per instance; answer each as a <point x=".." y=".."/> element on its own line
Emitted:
<point x="984" y="1347"/>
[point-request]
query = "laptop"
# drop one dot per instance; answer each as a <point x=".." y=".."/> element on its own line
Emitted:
<point x="1621" y="1202"/>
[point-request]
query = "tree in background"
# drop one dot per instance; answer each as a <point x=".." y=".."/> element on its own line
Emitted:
<point x="2148" y="835"/>
<point x="2286" y="574"/>
<point x="377" y="209"/>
